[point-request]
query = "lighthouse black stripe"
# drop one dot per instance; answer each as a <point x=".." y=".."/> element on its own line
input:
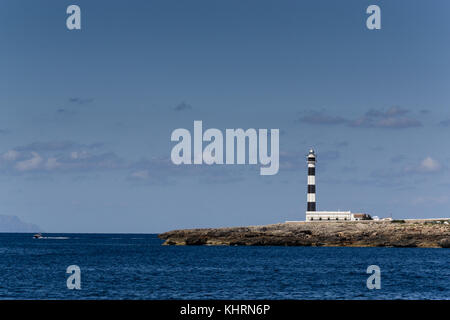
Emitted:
<point x="311" y="171"/>
<point x="311" y="188"/>
<point x="311" y="206"/>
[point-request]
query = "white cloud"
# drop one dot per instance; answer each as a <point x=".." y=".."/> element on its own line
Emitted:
<point x="143" y="174"/>
<point x="52" y="163"/>
<point x="427" y="165"/>
<point x="11" y="155"/>
<point x="30" y="164"/>
<point x="52" y="157"/>
<point x="430" y="165"/>
<point x="79" y="155"/>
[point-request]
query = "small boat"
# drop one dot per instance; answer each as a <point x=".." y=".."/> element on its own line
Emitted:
<point x="37" y="236"/>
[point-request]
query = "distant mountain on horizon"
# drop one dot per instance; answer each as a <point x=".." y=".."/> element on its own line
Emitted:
<point x="15" y="224"/>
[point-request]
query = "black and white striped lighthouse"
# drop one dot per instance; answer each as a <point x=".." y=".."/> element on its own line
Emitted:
<point x="311" y="197"/>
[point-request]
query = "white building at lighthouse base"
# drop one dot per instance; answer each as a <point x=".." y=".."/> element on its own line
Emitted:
<point x="335" y="216"/>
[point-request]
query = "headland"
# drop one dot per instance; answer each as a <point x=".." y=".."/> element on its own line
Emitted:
<point x="396" y="233"/>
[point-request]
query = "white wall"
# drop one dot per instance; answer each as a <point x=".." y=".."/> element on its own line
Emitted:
<point x="331" y="215"/>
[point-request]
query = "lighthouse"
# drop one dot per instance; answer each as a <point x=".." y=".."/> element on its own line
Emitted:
<point x="311" y="196"/>
<point x="311" y="213"/>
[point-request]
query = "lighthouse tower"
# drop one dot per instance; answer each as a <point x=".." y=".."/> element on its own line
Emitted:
<point x="311" y="197"/>
<point x="311" y="213"/>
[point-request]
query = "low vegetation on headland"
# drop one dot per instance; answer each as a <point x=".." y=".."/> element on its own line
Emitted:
<point x="407" y="233"/>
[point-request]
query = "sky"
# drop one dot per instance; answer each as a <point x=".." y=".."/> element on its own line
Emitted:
<point x="86" y="115"/>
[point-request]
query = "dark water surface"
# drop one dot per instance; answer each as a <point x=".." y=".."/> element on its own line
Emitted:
<point x="136" y="266"/>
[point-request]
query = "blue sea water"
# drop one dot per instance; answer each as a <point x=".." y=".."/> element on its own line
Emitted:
<point x="136" y="266"/>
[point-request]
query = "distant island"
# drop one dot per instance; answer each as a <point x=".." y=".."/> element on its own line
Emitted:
<point x="15" y="224"/>
<point x="424" y="233"/>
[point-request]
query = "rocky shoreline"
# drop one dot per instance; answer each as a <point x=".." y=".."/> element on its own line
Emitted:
<point x="410" y="233"/>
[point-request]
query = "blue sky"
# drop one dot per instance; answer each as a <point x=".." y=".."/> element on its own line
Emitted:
<point x="86" y="116"/>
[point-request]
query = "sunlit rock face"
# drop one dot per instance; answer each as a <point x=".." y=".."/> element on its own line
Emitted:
<point x="420" y="233"/>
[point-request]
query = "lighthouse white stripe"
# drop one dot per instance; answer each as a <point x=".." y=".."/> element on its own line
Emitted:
<point x="311" y="180"/>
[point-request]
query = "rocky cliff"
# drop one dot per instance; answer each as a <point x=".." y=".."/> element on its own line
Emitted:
<point x="419" y="233"/>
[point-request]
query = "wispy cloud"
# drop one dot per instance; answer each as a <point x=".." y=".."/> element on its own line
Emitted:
<point x="32" y="163"/>
<point x="393" y="118"/>
<point x="421" y="168"/>
<point x="58" y="156"/>
<point x="427" y="165"/>
<point x="65" y="112"/>
<point x="156" y="170"/>
<point x="78" y="100"/>
<point x="321" y="118"/>
<point x="183" y="106"/>
<point x="53" y="157"/>
<point x="85" y="161"/>
<point x="72" y="106"/>
<point x="57" y="145"/>
<point x="161" y="170"/>
<point x="445" y="123"/>
<point x="398" y="158"/>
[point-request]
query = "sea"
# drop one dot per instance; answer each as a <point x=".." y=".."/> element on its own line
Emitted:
<point x="137" y="266"/>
